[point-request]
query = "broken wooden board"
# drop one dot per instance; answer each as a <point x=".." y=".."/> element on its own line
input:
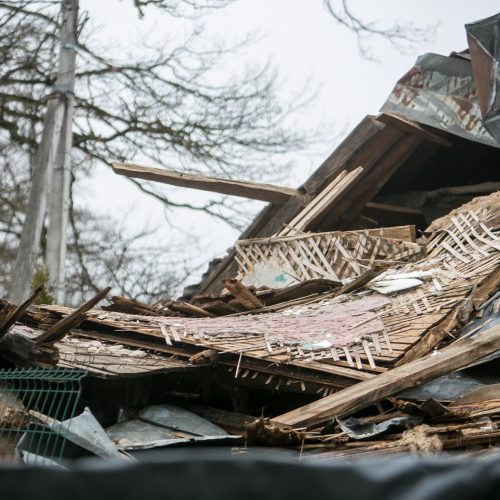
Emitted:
<point x="315" y="210"/>
<point x="363" y="146"/>
<point x="277" y="195"/>
<point x="364" y="394"/>
<point x="123" y="304"/>
<point x="243" y="295"/>
<point x="413" y="128"/>
<point x="61" y="328"/>
<point x="10" y="314"/>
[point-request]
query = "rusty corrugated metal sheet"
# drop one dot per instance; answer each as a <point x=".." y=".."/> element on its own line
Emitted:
<point x="483" y="38"/>
<point x="441" y="92"/>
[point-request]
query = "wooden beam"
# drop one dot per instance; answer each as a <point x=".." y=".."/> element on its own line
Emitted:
<point x="387" y="215"/>
<point x="325" y="200"/>
<point x="412" y="127"/>
<point x="243" y="295"/>
<point x="61" y="328"/>
<point x="277" y="195"/>
<point x="348" y="401"/>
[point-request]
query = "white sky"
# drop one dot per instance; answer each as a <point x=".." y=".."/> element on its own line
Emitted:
<point x="306" y="45"/>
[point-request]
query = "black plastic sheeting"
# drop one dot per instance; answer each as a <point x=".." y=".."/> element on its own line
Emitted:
<point x="214" y="475"/>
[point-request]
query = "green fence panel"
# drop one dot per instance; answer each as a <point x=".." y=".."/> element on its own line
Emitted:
<point x="30" y="400"/>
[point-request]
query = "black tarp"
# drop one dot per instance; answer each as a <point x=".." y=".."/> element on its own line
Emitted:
<point x="216" y="475"/>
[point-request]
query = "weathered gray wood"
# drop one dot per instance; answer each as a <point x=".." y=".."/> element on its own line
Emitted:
<point x="61" y="171"/>
<point x="23" y="351"/>
<point x="458" y="355"/>
<point x="41" y="179"/>
<point x="246" y="189"/>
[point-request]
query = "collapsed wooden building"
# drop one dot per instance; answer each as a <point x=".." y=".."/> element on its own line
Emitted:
<point x="357" y="314"/>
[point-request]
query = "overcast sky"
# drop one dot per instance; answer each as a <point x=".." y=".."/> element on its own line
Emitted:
<point x="307" y="46"/>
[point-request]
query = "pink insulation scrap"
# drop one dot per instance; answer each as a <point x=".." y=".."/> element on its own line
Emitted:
<point x="336" y="323"/>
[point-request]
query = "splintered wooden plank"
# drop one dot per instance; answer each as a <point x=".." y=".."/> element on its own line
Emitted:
<point x="350" y="400"/>
<point x="243" y="295"/>
<point x="190" y="309"/>
<point x="61" y="328"/>
<point x="412" y="127"/>
<point x="12" y="315"/>
<point x="487" y="288"/>
<point x="246" y="189"/>
<point x="363" y="146"/>
<point x="324" y="201"/>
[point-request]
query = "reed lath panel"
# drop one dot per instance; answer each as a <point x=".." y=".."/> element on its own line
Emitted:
<point x="335" y="255"/>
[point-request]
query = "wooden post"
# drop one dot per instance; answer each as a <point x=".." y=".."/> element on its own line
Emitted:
<point x="42" y="172"/>
<point x="61" y="172"/>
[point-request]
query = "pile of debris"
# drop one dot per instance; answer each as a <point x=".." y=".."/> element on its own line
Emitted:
<point x="387" y="315"/>
<point x="358" y="314"/>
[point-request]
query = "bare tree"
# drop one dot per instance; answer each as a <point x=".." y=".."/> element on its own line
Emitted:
<point x="100" y="250"/>
<point x="159" y="105"/>
<point x="403" y="37"/>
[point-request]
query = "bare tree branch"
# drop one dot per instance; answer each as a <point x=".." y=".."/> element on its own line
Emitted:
<point x="403" y="37"/>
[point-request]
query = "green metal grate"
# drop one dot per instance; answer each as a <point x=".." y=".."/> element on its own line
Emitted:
<point x="34" y="405"/>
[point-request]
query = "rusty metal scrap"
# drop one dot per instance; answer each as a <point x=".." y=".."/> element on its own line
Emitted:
<point x="483" y="38"/>
<point x="441" y="92"/>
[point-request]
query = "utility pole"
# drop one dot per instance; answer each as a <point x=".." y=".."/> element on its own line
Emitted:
<point x="57" y="120"/>
<point x="61" y="174"/>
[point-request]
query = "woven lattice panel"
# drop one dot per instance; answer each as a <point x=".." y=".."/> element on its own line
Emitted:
<point x="336" y="256"/>
<point x="468" y="236"/>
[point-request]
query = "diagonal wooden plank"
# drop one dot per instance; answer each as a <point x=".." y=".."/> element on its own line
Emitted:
<point x="413" y="128"/>
<point x="60" y="329"/>
<point x="348" y="401"/>
<point x="277" y="195"/>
